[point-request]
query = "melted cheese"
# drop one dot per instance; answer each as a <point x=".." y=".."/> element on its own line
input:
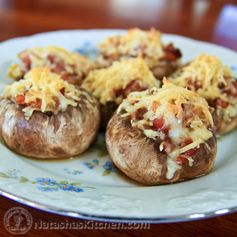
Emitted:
<point x="73" y="62"/>
<point x="103" y="83"/>
<point x="172" y="165"/>
<point x="40" y="83"/>
<point x="135" y="43"/>
<point x="171" y="100"/>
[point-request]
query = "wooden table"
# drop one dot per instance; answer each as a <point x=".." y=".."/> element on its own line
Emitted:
<point x="213" y="21"/>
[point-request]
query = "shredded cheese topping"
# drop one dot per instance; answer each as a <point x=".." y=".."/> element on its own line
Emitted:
<point x="136" y="42"/>
<point x="185" y="115"/>
<point x="40" y="84"/>
<point x="207" y="72"/>
<point x="103" y="83"/>
<point x="73" y="63"/>
<point x="209" y="78"/>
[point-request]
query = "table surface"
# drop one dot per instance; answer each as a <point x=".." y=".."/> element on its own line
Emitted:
<point x="213" y="21"/>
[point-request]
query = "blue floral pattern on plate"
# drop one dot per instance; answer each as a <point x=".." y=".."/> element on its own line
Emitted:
<point x="87" y="49"/>
<point x="107" y="167"/>
<point x="44" y="184"/>
<point x="47" y="184"/>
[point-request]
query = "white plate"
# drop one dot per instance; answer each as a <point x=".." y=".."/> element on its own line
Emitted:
<point x="89" y="186"/>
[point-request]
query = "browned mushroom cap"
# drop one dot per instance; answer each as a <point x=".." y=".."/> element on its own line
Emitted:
<point x="45" y="135"/>
<point x="221" y="126"/>
<point x="140" y="158"/>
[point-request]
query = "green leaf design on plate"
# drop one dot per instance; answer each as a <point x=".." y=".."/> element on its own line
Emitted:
<point x="23" y="179"/>
<point x="45" y="184"/>
<point x="3" y="175"/>
<point x="75" y="184"/>
<point x="63" y="182"/>
<point x="102" y="153"/>
<point x="106" y="172"/>
<point x="95" y="162"/>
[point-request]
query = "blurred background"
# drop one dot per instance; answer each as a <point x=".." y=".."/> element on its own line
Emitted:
<point x="209" y="20"/>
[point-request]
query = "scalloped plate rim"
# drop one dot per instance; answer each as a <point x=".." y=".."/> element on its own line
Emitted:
<point x="81" y="215"/>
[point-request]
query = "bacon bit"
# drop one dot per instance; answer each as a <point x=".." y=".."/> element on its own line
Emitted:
<point x="118" y="92"/>
<point x="70" y="78"/>
<point x="227" y="91"/>
<point x="222" y="103"/>
<point x="140" y="112"/>
<point x="181" y="160"/>
<point x="20" y="99"/>
<point x="51" y="58"/>
<point x="27" y="62"/>
<point x="234" y="91"/>
<point x="134" y="85"/>
<point x="158" y="123"/>
<point x="62" y="91"/>
<point x="36" y="104"/>
<point x="165" y="130"/>
<point x="59" y="67"/>
<point x="234" y="83"/>
<point x="231" y="90"/>
<point x="154" y="106"/>
<point x="186" y="142"/>
<point x="171" y="53"/>
<point x="191" y="152"/>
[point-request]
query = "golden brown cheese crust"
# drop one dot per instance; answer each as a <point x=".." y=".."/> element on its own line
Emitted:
<point x="61" y="135"/>
<point x="140" y="158"/>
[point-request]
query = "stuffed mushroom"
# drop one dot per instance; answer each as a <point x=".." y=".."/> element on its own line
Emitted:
<point x="161" y="59"/>
<point x="72" y="67"/>
<point x="111" y="85"/>
<point x="161" y="136"/>
<point x="215" y="82"/>
<point x="44" y="116"/>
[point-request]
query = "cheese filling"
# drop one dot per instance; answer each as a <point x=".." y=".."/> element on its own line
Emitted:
<point x="175" y="116"/>
<point x="43" y="91"/>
